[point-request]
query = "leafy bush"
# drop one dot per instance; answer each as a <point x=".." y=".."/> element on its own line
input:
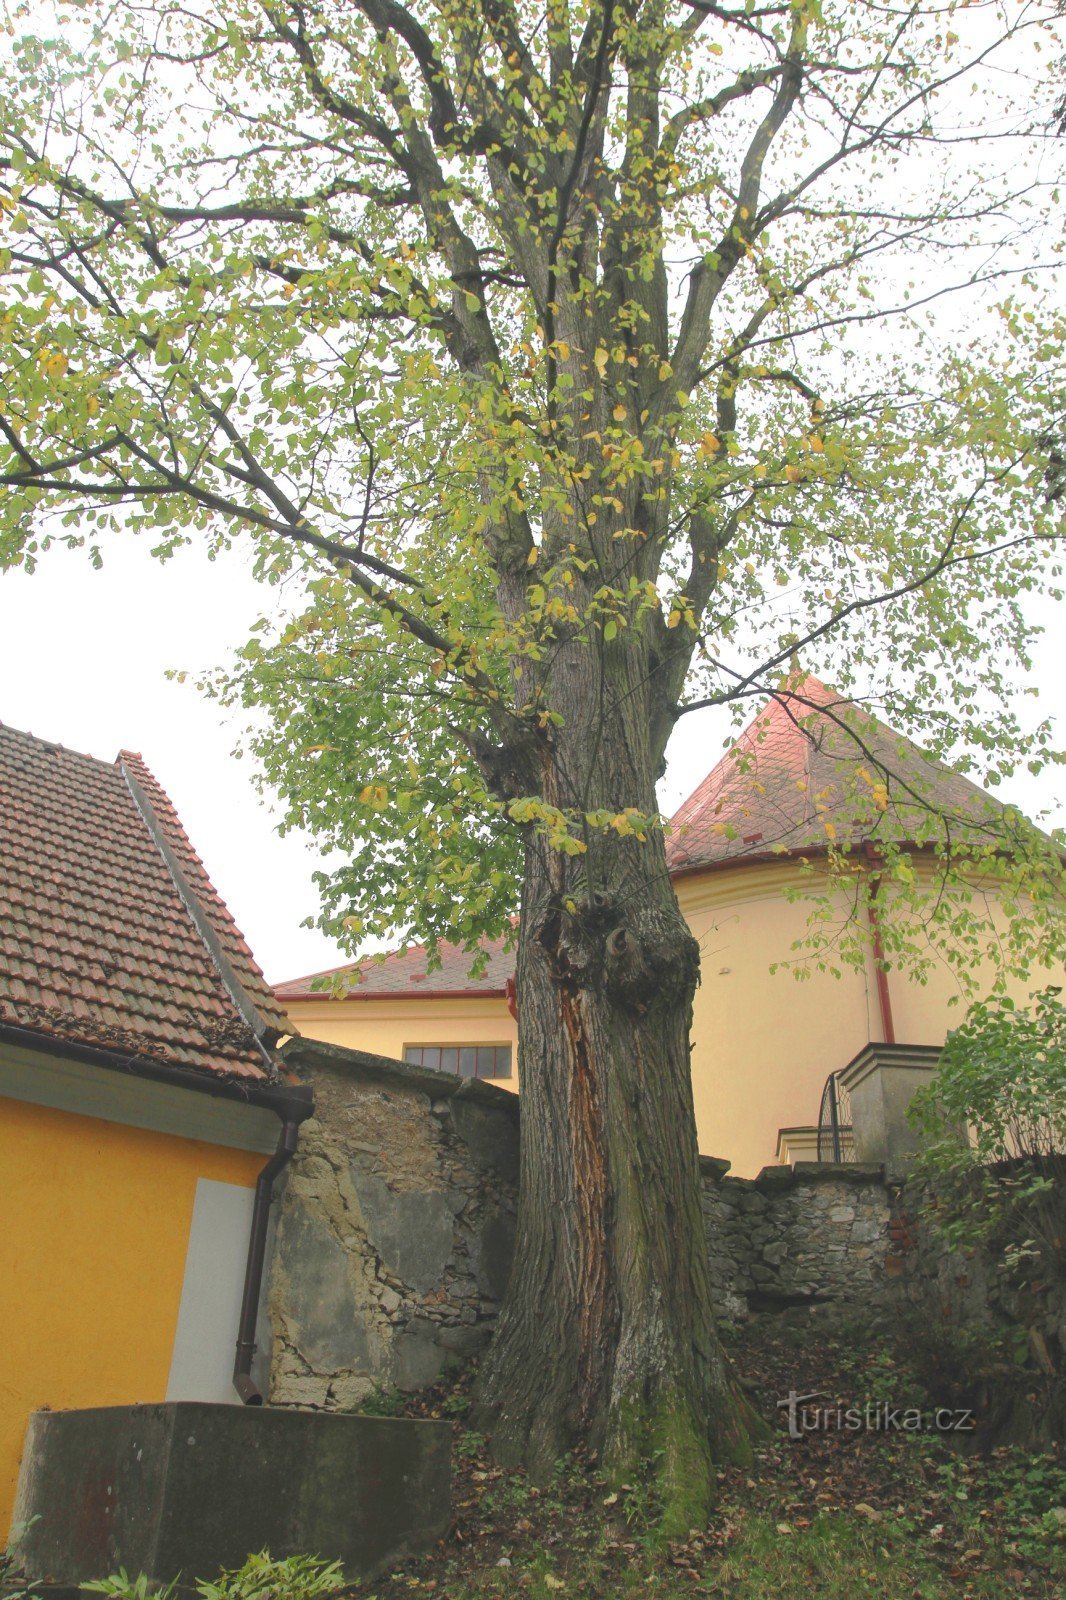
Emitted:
<point x="120" y="1586"/>
<point x="381" y="1403"/>
<point x="993" y="1126"/>
<point x="13" y="1582"/>
<point x="260" y="1578"/>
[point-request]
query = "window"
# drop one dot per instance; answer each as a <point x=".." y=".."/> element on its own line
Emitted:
<point x="468" y="1060"/>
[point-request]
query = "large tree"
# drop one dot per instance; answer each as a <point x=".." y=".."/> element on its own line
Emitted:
<point x="544" y="343"/>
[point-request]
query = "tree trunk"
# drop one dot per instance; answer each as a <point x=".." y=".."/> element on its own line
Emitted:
<point x="606" y="1336"/>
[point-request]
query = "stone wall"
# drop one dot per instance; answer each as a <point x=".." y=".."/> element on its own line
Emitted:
<point x="1018" y="1277"/>
<point x="395" y="1232"/>
<point x="809" y="1235"/>
<point x="394" y="1228"/>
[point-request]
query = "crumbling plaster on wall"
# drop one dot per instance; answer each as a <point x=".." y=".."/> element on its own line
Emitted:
<point x="395" y="1230"/>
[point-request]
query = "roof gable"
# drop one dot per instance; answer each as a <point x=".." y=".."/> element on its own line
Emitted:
<point x="99" y="939"/>
<point x="813" y="767"/>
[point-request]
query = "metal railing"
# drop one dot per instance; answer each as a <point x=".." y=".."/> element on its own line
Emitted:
<point x="835" y="1139"/>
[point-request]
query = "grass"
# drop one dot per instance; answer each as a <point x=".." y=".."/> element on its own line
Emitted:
<point x="827" y="1517"/>
<point x="830" y="1516"/>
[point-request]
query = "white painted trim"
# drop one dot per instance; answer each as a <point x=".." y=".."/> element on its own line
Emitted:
<point x="38" y="1078"/>
<point x="205" y="1338"/>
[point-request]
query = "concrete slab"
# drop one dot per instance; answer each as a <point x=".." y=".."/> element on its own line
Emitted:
<point x="188" y="1488"/>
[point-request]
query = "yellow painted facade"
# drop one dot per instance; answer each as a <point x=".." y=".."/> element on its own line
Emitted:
<point x="387" y="1026"/>
<point x="94" y="1229"/>
<point x="763" y="1042"/>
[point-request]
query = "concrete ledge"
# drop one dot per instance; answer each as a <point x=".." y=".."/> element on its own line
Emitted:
<point x="300" y="1053"/>
<point x="185" y="1489"/>
<point x="839" y="1171"/>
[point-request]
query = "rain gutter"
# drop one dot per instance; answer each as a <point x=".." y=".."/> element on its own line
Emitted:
<point x="293" y="1106"/>
<point x="293" y="1103"/>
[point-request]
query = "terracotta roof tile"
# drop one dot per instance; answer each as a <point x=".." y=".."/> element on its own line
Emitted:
<point x="97" y="945"/>
<point x="407" y="973"/>
<point x="810" y="758"/>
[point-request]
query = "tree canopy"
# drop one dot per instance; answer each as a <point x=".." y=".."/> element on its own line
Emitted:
<point x="624" y="304"/>
<point x="574" y="360"/>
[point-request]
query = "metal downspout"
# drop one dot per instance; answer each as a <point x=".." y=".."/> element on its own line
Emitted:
<point x="253" y="1272"/>
<point x="884" y="1002"/>
<point x="261" y="1031"/>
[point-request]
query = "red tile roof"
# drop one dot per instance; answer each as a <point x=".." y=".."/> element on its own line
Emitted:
<point x="97" y="945"/>
<point x="810" y="758"/>
<point x="796" y="766"/>
<point x="406" y="972"/>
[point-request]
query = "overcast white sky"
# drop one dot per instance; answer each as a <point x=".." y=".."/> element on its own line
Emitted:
<point x="83" y="658"/>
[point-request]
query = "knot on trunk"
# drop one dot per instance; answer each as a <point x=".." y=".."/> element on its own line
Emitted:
<point x="509" y="769"/>
<point x="651" y="957"/>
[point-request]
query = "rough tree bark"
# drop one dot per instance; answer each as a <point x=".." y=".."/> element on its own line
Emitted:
<point x="607" y="1334"/>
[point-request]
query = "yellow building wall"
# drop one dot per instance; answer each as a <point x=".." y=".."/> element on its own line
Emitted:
<point x="763" y="1043"/>
<point x="386" y="1027"/>
<point x="94" y="1225"/>
<point x="924" y="1012"/>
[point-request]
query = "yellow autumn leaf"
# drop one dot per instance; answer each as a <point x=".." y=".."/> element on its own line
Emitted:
<point x="374" y="795"/>
<point x="619" y="413"/>
<point x="793" y="473"/>
<point x="673" y="619"/>
<point x="601" y="359"/>
<point x="830" y="830"/>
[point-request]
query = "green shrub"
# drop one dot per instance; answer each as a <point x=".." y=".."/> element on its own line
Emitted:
<point x="381" y="1403"/>
<point x="993" y="1126"/>
<point x="120" y="1586"/>
<point x="260" y="1578"/>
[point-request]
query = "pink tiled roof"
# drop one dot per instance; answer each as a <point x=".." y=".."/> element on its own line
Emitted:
<point x="406" y="972"/>
<point x="97" y="946"/>
<point x="797" y="765"/>
<point x="810" y="758"/>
